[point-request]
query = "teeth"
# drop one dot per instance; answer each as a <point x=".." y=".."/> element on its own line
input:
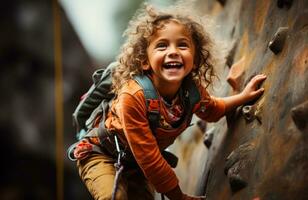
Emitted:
<point x="173" y="65"/>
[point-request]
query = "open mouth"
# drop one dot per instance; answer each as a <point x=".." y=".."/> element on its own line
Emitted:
<point x="171" y="65"/>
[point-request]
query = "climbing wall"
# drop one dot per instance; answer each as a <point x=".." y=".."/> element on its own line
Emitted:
<point x="260" y="150"/>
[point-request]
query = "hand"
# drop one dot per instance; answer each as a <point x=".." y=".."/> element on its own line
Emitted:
<point x="82" y="149"/>
<point x="252" y="90"/>
<point x="188" y="197"/>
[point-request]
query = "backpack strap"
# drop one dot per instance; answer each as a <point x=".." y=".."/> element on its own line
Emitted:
<point x="190" y="96"/>
<point x="152" y="101"/>
<point x="191" y="93"/>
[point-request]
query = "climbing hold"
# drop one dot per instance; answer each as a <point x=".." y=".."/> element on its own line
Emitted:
<point x="239" y="154"/>
<point x="299" y="115"/>
<point x="222" y="2"/>
<point x="277" y="42"/>
<point x="249" y="113"/>
<point x="209" y="136"/>
<point x="282" y="3"/>
<point x="236" y="181"/>
<point x="202" y="125"/>
<point x="236" y="166"/>
<point x="235" y="76"/>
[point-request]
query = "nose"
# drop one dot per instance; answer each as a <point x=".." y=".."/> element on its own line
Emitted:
<point x="173" y="52"/>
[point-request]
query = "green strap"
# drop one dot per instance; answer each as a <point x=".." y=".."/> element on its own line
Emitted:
<point x="192" y="93"/>
<point x="147" y="86"/>
<point x="149" y="94"/>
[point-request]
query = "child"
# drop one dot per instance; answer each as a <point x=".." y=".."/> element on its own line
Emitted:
<point x="170" y="49"/>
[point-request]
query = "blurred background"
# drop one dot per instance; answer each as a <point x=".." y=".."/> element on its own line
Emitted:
<point x="37" y="38"/>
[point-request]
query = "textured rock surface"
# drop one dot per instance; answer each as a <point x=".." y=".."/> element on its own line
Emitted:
<point x="265" y="157"/>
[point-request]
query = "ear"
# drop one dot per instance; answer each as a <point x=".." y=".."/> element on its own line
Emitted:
<point x="145" y="65"/>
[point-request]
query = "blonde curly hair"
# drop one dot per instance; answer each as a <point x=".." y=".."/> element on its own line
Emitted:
<point x="140" y="29"/>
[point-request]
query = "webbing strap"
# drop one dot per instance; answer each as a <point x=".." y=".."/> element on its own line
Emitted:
<point x="147" y="85"/>
<point x="192" y="93"/>
<point x="152" y="101"/>
<point x="119" y="170"/>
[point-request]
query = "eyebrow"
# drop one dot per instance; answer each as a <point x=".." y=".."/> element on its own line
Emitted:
<point x="184" y="38"/>
<point x="179" y="39"/>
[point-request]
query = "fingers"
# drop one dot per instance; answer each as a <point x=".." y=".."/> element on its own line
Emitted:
<point x="252" y="90"/>
<point x="259" y="78"/>
<point x="255" y="82"/>
<point x="258" y="92"/>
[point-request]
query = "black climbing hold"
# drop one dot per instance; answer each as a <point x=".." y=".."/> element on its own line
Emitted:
<point x="277" y="42"/>
<point x="209" y="136"/>
<point x="237" y="166"/>
<point x="300" y="115"/>
<point x="236" y="181"/>
<point x="284" y="3"/>
<point x="222" y="2"/>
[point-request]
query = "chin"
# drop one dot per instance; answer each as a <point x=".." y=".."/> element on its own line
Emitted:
<point x="174" y="80"/>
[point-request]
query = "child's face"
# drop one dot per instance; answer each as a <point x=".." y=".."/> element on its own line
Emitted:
<point x="170" y="54"/>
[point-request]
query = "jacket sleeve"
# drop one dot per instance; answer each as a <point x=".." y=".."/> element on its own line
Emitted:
<point x="133" y="115"/>
<point x="209" y="108"/>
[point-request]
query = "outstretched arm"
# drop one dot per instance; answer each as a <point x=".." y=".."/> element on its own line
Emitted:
<point x="250" y="92"/>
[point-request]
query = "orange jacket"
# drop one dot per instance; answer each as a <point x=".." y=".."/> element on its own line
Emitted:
<point x="128" y="118"/>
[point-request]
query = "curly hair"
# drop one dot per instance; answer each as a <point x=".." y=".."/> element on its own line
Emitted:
<point x="140" y="29"/>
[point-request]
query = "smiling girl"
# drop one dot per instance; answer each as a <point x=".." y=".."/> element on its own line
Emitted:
<point x="172" y="50"/>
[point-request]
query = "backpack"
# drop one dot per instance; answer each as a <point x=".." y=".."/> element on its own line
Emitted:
<point x="95" y="101"/>
<point x="98" y="98"/>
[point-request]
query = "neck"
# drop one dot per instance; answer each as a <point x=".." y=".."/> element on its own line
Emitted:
<point x="167" y="91"/>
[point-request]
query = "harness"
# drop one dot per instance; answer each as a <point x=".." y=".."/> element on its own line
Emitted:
<point x="109" y="141"/>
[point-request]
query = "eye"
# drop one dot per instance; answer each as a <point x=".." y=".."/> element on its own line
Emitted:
<point x="183" y="45"/>
<point x="161" y="45"/>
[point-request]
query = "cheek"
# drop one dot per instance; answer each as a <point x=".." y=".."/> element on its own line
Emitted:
<point x="157" y="57"/>
<point x="190" y="57"/>
<point x="195" y="59"/>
